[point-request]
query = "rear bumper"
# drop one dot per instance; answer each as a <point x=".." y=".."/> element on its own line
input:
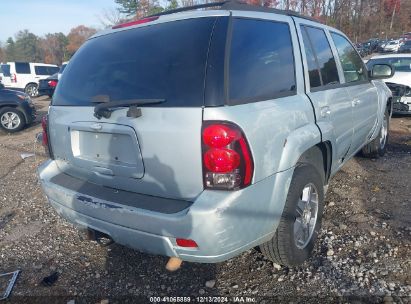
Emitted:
<point x="45" y="91"/>
<point x="222" y="223"/>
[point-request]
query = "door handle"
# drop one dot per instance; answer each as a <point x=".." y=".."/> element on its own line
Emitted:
<point x="356" y="102"/>
<point x="325" y="111"/>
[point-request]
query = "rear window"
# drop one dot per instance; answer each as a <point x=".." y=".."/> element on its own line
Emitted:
<point x="45" y="70"/>
<point x="163" y="61"/>
<point x="401" y="64"/>
<point x="22" y="68"/>
<point x="5" y="69"/>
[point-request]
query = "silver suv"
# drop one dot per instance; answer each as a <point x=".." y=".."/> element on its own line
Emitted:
<point x="201" y="134"/>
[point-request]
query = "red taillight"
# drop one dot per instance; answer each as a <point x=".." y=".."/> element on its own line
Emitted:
<point x="13" y="78"/>
<point x="221" y="160"/>
<point x="219" y="135"/>
<point x="45" y="141"/>
<point x="52" y="83"/>
<point x="186" y="243"/>
<point x="227" y="160"/>
<point x="141" y="21"/>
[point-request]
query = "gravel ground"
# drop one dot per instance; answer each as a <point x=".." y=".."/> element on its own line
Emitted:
<point x="363" y="251"/>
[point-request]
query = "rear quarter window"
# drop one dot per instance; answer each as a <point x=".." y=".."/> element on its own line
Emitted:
<point x="23" y="68"/>
<point x="261" y="65"/>
<point x="166" y="61"/>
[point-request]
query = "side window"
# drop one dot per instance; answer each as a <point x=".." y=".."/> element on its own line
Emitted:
<point x="45" y="70"/>
<point x="41" y="70"/>
<point x="261" y="64"/>
<point x="22" y="68"/>
<point x="321" y="63"/>
<point x="351" y="62"/>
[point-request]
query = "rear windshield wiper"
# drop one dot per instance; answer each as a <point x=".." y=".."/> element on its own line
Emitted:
<point x="105" y="108"/>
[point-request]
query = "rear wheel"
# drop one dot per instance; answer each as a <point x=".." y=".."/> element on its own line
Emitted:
<point x="300" y="221"/>
<point x="378" y="146"/>
<point x="11" y="119"/>
<point x="31" y="90"/>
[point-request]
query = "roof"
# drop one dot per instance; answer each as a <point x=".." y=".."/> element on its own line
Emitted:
<point x="237" y="5"/>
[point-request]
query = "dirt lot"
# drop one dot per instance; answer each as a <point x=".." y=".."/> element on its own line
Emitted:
<point x="363" y="250"/>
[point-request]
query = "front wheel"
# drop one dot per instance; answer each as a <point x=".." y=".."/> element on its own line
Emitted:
<point x="300" y="221"/>
<point x="378" y="146"/>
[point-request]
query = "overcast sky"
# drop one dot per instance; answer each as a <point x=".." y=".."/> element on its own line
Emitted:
<point x="49" y="16"/>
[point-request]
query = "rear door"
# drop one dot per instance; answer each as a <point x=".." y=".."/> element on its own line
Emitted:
<point x="157" y="153"/>
<point x="362" y="93"/>
<point x="332" y="105"/>
<point x="23" y="72"/>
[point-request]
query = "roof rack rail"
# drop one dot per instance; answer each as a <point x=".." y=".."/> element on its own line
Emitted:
<point x="191" y="8"/>
<point x="236" y="5"/>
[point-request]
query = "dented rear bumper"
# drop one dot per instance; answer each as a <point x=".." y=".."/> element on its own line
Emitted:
<point x="222" y="223"/>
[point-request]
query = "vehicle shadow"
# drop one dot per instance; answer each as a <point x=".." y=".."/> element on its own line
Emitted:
<point x="144" y="275"/>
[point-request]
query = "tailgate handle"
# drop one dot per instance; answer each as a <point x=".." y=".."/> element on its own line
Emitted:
<point x="102" y="170"/>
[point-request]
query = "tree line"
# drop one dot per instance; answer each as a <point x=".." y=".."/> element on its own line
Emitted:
<point x="53" y="48"/>
<point x="359" y="19"/>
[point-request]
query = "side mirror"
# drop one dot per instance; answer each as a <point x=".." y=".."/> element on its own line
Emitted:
<point x="381" y="71"/>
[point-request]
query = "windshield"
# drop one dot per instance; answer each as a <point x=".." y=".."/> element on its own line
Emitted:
<point x="401" y="64"/>
<point x="166" y="61"/>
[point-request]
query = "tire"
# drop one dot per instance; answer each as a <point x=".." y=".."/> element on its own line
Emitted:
<point x="287" y="247"/>
<point x="31" y="90"/>
<point x="11" y="119"/>
<point x="378" y="146"/>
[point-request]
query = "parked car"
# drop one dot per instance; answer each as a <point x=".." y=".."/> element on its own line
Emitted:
<point x="361" y="50"/>
<point x="405" y="47"/>
<point x="196" y="148"/>
<point x="25" y="76"/>
<point x="16" y="110"/>
<point x="380" y="46"/>
<point x="392" y="46"/>
<point x="48" y="85"/>
<point x="400" y="83"/>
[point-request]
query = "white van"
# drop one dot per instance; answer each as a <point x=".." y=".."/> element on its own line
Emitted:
<point x="25" y="76"/>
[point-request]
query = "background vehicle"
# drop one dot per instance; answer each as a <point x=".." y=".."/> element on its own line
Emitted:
<point x="361" y="50"/>
<point x="181" y="147"/>
<point x="405" y="47"/>
<point x="16" y="110"/>
<point x="48" y="85"/>
<point x="392" y="46"/>
<point x="400" y="83"/>
<point x="25" y="76"/>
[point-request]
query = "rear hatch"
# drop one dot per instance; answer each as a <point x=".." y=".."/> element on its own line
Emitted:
<point x="5" y="75"/>
<point x="157" y="151"/>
